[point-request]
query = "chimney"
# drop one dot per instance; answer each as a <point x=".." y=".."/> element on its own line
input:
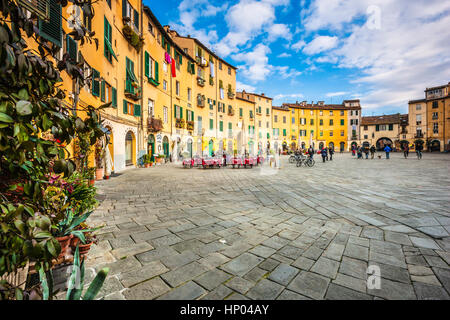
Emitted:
<point x="320" y="103"/>
<point x="262" y="94"/>
<point x="303" y="103"/>
<point x="312" y="102"/>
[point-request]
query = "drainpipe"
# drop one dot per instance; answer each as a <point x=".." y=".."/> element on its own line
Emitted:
<point x="141" y="136"/>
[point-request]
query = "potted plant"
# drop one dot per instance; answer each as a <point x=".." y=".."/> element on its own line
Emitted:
<point x="89" y="175"/>
<point x="99" y="154"/>
<point x="147" y="160"/>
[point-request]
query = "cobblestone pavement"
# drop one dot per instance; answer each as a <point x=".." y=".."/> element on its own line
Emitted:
<point x="302" y="233"/>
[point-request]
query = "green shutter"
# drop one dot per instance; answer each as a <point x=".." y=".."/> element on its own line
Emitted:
<point x="125" y="106"/>
<point x="52" y="30"/>
<point x="377" y="127"/>
<point x="181" y="112"/>
<point x="147" y="64"/>
<point x="156" y="71"/>
<point x="124" y="8"/>
<point x="137" y="110"/>
<point x="102" y="91"/>
<point x="211" y="124"/>
<point x="72" y="48"/>
<point x="136" y="19"/>
<point x="95" y="83"/>
<point x="240" y="112"/>
<point x="221" y="125"/>
<point x="230" y="125"/>
<point x="114" y="97"/>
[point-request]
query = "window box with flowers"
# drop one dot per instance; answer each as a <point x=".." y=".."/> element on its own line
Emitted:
<point x="190" y="125"/>
<point x="133" y="38"/>
<point x="180" y="123"/>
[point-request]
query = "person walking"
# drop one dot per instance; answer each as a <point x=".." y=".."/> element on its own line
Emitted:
<point x="359" y="152"/>
<point x="331" y="152"/>
<point x="372" y="151"/>
<point x="406" y="151"/>
<point x="419" y="149"/>
<point x="224" y="159"/>
<point x="387" y="149"/>
<point x="353" y="150"/>
<point x="366" y="151"/>
<point x="324" y="154"/>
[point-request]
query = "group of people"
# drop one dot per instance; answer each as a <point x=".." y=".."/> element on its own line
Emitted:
<point x="360" y="150"/>
<point x="326" y="153"/>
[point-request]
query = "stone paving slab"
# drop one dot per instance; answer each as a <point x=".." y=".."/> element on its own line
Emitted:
<point x="239" y="234"/>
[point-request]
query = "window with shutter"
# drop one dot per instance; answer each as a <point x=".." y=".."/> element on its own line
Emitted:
<point x="102" y="95"/>
<point x="221" y="125"/>
<point x="52" y="30"/>
<point x="72" y="48"/>
<point x="136" y="19"/>
<point x="211" y="124"/>
<point x="156" y="71"/>
<point x="108" y="50"/>
<point x="137" y="110"/>
<point x="125" y="106"/>
<point x="147" y="64"/>
<point x="114" y="97"/>
<point x="95" y="83"/>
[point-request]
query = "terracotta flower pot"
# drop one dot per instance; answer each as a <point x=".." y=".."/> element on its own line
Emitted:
<point x="84" y="248"/>
<point x="64" y="243"/>
<point x="91" y="182"/>
<point x="147" y="165"/>
<point x="73" y="243"/>
<point x="99" y="174"/>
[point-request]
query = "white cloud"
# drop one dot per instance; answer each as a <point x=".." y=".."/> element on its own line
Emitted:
<point x="242" y="86"/>
<point x="336" y="94"/>
<point x="320" y="44"/>
<point x="288" y="96"/>
<point x="248" y="19"/>
<point x="257" y="66"/>
<point x="398" y="59"/>
<point x="298" y="45"/>
<point x="284" y="55"/>
<point x="279" y="30"/>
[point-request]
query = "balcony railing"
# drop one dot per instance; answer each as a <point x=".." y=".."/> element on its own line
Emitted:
<point x="180" y="123"/>
<point x="154" y="125"/>
<point x="190" y="125"/>
<point x="132" y="90"/>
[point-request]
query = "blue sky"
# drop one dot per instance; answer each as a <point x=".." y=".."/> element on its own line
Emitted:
<point x="383" y="52"/>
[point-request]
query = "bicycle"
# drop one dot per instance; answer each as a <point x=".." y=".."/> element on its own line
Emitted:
<point x="306" y="161"/>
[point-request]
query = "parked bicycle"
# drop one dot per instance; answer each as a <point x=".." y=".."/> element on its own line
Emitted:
<point x="306" y="161"/>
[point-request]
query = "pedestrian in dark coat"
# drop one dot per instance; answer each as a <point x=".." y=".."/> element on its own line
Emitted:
<point x="324" y="153"/>
<point x="331" y="151"/>
<point x="372" y="151"/>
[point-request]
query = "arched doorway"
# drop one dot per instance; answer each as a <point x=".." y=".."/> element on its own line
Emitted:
<point x="251" y="148"/>
<point x="210" y="148"/>
<point x="435" y="145"/>
<point x="220" y="147"/>
<point x="230" y="146"/>
<point x="166" y="146"/>
<point x="321" y="146"/>
<point x="354" y="145"/>
<point x="130" y="148"/>
<point x="110" y="140"/>
<point x="342" y="146"/>
<point x="151" y="147"/>
<point x="383" y="142"/>
<point x="331" y="145"/>
<point x="189" y="147"/>
<point x="303" y="145"/>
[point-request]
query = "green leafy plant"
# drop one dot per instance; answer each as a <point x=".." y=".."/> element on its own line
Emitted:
<point x="76" y="282"/>
<point x="37" y="124"/>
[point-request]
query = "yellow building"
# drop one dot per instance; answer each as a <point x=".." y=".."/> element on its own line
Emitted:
<point x="281" y="128"/>
<point x="319" y="125"/>
<point x="214" y="91"/>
